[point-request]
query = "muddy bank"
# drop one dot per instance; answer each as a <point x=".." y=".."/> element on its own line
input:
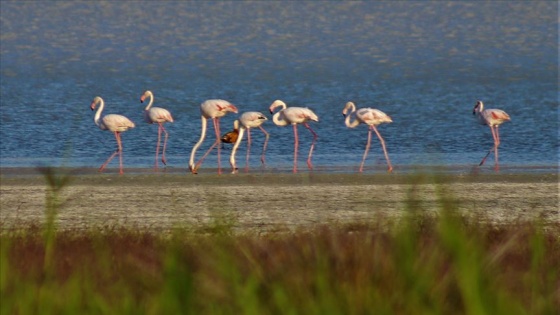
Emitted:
<point x="269" y="202"/>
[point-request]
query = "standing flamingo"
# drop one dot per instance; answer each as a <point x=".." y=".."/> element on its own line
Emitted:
<point x="371" y="117"/>
<point x="247" y="121"/>
<point x="112" y="122"/>
<point x="157" y="115"/>
<point x="493" y="118"/>
<point x="295" y="116"/>
<point x="210" y="109"/>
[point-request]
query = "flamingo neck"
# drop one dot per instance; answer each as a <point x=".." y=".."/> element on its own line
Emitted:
<point x="97" y="116"/>
<point x="351" y="123"/>
<point x="349" y="107"/>
<point x="202" y="136"/>
<point x="151" y="96"/>
<point x="348" y="121"/>
<point x="235" y="146"/>
<point x="277" y="104"/>
<point x="279" y="121"/>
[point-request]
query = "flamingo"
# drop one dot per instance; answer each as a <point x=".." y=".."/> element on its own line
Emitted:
<point x="295" y="116"/>
<point x="157" y="115"/>
<point x="231" y="137"/>
<point x="210" y="109"/>
<point x="248" y="120"/>
<point x="493" y="118"/>
<point x="114" y="123"/>
<point x="371" y="117"/>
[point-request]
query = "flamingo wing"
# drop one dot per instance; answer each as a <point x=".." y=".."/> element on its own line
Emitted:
<point x="299" y="114"/>
<point x="159" y="115"/>
<point x="114" y="122"/>
<point x="252" y="119"/>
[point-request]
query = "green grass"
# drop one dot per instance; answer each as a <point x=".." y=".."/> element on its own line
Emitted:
<point x="420" y="264"/>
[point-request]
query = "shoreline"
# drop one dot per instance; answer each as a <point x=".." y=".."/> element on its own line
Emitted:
<point x="268" y="202"/>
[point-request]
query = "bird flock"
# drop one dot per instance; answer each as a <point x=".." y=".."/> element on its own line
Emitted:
<point x="282" y="116"/>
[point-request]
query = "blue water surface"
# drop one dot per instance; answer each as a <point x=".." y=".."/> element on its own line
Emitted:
<point x="423" y="63"/>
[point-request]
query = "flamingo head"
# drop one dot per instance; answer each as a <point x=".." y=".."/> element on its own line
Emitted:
<point x="144" y="96"/>
<point x="348" y="107"/>
<point x="229" y="108"/>
<point x="277" y="103"/>
<point x="477" y="107"/>
<point x="96" y="100"/>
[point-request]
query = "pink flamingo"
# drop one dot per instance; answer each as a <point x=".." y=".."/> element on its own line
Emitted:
<point x="114" y="123"/>
<point x="210" y="109"/>
<point x="157" y="115"/>
<point x="247" y="121"/>
<point x="493" y="118"/>
<point x="295" y="116"/>
<point x="371" y="117"/>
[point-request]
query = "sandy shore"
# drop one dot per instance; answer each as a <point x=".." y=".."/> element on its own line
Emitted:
<point x="268" y="202"/>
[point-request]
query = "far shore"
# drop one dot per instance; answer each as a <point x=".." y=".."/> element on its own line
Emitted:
<point x="268" y="201"/>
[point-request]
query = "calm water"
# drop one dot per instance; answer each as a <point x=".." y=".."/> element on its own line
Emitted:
<point x="423" y="63"/>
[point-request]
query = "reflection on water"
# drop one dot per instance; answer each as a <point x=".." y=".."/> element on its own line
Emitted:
<point x="423" y="63"/>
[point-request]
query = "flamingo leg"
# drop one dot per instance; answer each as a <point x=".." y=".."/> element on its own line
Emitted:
<point x="496" y="138"/>
<point x="112" y="155"/>
<point x="163" y="159"/>
<point x="264" y="145"/>
<point x="204" y="156"/>
<point x="309" y="165"/>
<point x="384" y="148"/>
<point x="217" y="130"/>
<point x="296" y="143"/>
<point x="496" y="145"/>
<point x="120" y="154"/>
<point x="157" y="146"/>
<point x="368" y="144"/>
<point x="248" y="149"/>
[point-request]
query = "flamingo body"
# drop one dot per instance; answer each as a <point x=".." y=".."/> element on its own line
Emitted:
<point x="114" y="123"/>
<point x="211" y="109"/>
<point x="157" y="115"/>
<point x="492" y="118"/>
<point x="247" y="121"/>
<point x="371" y="117"/>
<point x="294" y="116"/>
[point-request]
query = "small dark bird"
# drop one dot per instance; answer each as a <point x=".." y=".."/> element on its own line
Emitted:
<point x="231" y="137"/>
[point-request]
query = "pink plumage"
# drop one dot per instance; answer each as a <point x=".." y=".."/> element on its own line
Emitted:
<point x="371" y="117"/>
<point x="492" y="118"/>
<point x="114" y="123"/>
<point x="157" y="115"/>
<point x="214" y="109"/>
<point x="294" y="116"/>
<point x="247" y="121"/>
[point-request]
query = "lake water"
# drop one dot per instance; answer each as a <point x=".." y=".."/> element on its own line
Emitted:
<point x="423" y="63"/>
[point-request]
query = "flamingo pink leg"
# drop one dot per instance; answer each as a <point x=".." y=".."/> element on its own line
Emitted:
<point x="265" y="143"/>
<point x="296" y="143"/>
<point x="309" y="165"/>
<point x="157" y="146"/>
<point x="120" y="153"/>
<point x="384" y="148"/>
<point x="119" y="150"/>
<point x="163" y="159"/>
<point x="366" y="150"/>
<point x="248" y="149"/>
<point x="496" y="137"/>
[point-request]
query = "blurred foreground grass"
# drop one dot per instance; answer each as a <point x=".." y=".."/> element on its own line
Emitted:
<point x="417" y="264"/>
